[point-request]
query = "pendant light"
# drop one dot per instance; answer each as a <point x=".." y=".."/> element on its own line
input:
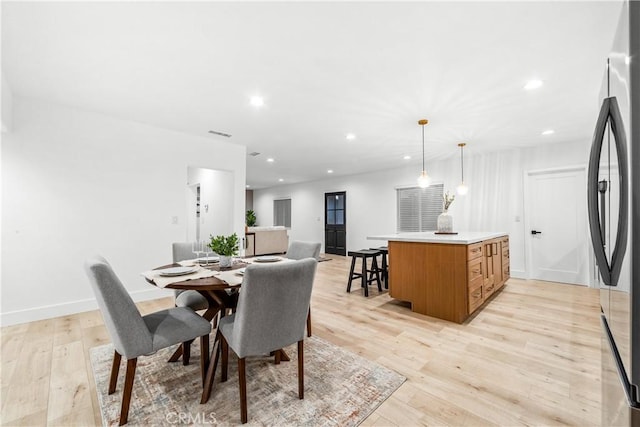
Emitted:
<point x="423" y="180"/>
<point x="462" y="188"/>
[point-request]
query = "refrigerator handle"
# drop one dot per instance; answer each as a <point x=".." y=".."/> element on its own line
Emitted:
<point x="609" y="113"/>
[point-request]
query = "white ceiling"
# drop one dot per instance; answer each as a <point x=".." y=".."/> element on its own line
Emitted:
<point x="324" y="70"/>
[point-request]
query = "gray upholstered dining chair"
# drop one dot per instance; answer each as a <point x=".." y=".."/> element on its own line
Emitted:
<point x="134" y="335"/>
<point x="187" y="298"/>
<point x="192" y="299"/>
<point x="271" y="314"/>
<point x="300" y="250"/>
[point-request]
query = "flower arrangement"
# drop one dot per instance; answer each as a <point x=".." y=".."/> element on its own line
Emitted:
<point x="448" y="199"/>
<point x="225" y="245"/>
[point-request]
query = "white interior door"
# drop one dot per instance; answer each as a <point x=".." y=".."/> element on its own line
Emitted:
<point x="557" y="234"/>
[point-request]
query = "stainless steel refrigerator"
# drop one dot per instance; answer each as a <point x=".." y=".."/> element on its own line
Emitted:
<point x="614" y="222"/>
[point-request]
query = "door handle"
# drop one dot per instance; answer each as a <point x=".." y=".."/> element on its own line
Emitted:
<point x="609" y="113"/>
<point x="534" y="232"/>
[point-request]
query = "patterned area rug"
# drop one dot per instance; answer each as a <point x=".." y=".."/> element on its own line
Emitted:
<point x="341" y="389"/>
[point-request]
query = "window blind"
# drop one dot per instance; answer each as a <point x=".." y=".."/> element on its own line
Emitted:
<point x="282" y="212"/>
<point x="418" y="208"/>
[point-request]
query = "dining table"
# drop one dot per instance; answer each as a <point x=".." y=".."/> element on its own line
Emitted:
<point x="220" y="288"/>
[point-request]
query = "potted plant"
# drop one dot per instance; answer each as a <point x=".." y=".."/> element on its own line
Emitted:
<point x="226" y="247"/>
<point x="250" y="218"/>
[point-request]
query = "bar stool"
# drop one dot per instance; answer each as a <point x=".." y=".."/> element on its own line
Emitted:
<point x="384" y="269"/>
<point x="367" y="276"/>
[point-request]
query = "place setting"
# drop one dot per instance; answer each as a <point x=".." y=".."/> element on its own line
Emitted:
<point x="164" y="277"/>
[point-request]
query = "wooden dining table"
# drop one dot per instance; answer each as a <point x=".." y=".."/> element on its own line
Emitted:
<point x="215" y="290"/>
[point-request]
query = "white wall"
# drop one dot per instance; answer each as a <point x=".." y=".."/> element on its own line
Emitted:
<point x="75" y="183"/>
<point x="494" y="203"/>
<point x="217" y="193"/>
<point x="7" y="107"/>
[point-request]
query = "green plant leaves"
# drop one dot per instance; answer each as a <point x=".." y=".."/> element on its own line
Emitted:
<point x="225" y="245"/>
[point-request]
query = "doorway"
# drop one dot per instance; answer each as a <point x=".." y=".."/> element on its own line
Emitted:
<point x="210" y="201"/>
<point x="335" y="223"/>
<point x="556" y="226"/>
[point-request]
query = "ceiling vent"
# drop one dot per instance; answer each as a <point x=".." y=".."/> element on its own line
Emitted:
<point x="254" y="153"/>
<point x="215" y="132"/>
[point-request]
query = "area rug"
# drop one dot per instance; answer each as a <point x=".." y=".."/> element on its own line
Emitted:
<point x="341" y="389"/>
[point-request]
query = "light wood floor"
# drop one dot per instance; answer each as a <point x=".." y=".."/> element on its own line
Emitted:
<point x="530" y="357"/>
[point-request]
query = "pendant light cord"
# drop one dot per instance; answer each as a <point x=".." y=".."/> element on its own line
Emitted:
<point x="422" y="148"/>
<point x="462" y="162"/>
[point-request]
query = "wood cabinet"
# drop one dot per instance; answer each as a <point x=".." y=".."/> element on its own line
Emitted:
<point x="249" y="244"/>
<point x="447" y="281"/>
<point x="494" y="265"/>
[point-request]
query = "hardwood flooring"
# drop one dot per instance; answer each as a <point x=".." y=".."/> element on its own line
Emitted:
<point x="531" y="356"/>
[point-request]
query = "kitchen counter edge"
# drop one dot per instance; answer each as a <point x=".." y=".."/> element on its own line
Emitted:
<point x="462" y="238"/>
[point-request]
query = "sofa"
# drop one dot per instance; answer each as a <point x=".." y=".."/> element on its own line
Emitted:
<point x="266" y="240"/>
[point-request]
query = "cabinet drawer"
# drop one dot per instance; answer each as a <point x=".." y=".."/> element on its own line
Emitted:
<point x="474" y="271"/>
<point x="505" y="256"/>
<point x="475" y="298"/>
<point x="487" y="290"/>
<point x="505" y="242"/>
<point x="505" y="272"/>
<point x="474" y="251"/>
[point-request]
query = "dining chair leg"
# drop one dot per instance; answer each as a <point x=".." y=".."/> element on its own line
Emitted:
<point x="115" y="368"/>
<point x="204" y="356"/>
<point x="128" y="387"/>
<point x="301" y="369"/>
<point x="186" y="352"/>
<point x="211" y="370"/>
<point x="224" y="345"/>
<point x="309" y="322"/>
<point x="242" y="379"/>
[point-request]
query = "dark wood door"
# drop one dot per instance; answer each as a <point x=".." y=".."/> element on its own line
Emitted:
<point x="335" y="223"/>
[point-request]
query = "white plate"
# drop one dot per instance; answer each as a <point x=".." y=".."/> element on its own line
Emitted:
<point x="267" y="259"/>
<point x="177" y="271"/>
<point x="205" y="260"/>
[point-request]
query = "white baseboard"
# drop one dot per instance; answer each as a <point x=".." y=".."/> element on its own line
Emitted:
<point x="518" y="274"/>
<point x="67" y="308"/>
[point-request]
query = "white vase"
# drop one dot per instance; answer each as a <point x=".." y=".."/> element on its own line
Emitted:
<point x="445" y="223"/>
<point x="226" y="261"/>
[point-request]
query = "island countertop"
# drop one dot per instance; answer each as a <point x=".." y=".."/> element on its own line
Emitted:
<point x="462" y="238"/>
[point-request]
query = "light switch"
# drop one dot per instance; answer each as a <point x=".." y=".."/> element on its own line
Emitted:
<point x="174" y="220"/>
<point x="517" y="218"/>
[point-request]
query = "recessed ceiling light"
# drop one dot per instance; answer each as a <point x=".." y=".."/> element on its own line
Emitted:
<point x="270" y="160"/>
<point x="280" y="179"/>
<point x="248" y="186"/>
<point x="330" y="171"/>
<point x="533" y="84"/>
<point x="350" y="136"/>
<point x="407" y="157"/>
<point x="627" y="60"/>
<point x="257" y="101"/>
<point x="549" y="132"/>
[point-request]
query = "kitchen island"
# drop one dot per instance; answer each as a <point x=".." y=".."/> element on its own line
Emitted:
<point x="448" y="276"/>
